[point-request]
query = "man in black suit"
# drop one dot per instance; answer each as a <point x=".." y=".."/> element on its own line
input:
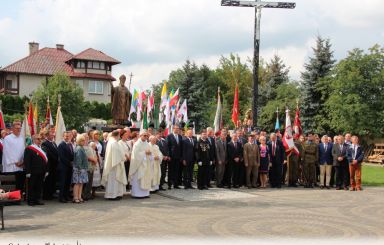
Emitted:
<point x="66" y="157"/>
<point x="277" y="155"/>
<point x="339" y="153"/>
<point x="175" y="148"/>
<point x="163" y="146"/>
<point x="35" y="163"/>
<point x="188" y="157"/>
<point x="50" y="148"/>
<point x="235" y="159"/>
<point x="242" y="140"/>
<point x="212" y="151"/>
<point x="204" y="159"/>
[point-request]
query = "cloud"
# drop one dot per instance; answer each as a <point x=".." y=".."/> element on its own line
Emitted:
<point x="151" y="38"/>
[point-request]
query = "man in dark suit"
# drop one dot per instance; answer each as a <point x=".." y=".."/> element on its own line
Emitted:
<point x="163" y="147"/>
<point x="212" y="151"/>
<point x="175" y="148"/>
<point x="188" y="158"/>
<point x="235" y="159"/>
<point x="277" y="155"/>
<point x="50" y="148"/>
<point x="325" y="161"/>
<point x="340" y="162"/>
<point x="66" y="157"/>
<point x="35" y="163"/>
<point x="204" y="160"/>
<point x="221" y="157"/>
<point x="355" y="155"/>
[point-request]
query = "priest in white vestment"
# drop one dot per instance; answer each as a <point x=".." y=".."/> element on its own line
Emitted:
<point x="140" y="168"/>
<point x="114" y="179"/>
<point x="13" y="155"/>
<point x="156" y="158"/>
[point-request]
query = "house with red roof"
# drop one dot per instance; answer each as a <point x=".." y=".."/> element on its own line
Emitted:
<point x="91" y="69"/>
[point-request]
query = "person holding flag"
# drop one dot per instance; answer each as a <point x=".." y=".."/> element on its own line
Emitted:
<point x="292" y="149"/>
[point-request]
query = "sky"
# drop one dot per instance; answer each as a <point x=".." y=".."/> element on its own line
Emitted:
<point x="152" y="38"/>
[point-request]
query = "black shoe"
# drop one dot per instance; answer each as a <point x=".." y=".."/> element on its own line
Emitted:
<point x="186" y="187"/>
<point x="209" y="186"/>
<point x="328" y="187"/>
<point x="63" y="200"/>
<point x="177" y="187"/>
<point x="169" y="187"/>
<point x="31" y="204"/>
<point x="205" y="188"/>
<point x="39" y="203"/>
<point x="161" y="188"/>
<point x="201" y="188"/>
<point x="321" y="187"/>
<point x="191" y="187"/>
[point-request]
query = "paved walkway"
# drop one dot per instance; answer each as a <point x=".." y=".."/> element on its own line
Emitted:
<point x="217" y="213"/>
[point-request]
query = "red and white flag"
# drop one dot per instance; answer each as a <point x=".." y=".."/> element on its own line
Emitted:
<point x="182" y="113"/>
<point x="297" y="124"/>
<point x="174" y="99"/>
<point x="288" y="142"/>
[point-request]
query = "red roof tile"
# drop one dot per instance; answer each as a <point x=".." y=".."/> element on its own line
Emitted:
<point x="96" y="55"/>
<point x="46" y="61"/>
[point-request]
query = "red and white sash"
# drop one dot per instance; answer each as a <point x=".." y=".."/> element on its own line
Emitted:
<point x="39" y="151"/>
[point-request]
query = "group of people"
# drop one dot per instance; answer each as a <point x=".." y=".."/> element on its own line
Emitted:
<point x="148" y="161"/>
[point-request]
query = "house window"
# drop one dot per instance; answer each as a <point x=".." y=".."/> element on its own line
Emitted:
<point x="96" y="87"/>
<point x="102" y="66"/>
<point x="80" y="83"/>
<point x="80" y="64"/>
<point x="10" y="84"/>
<point x="96" y="65"/>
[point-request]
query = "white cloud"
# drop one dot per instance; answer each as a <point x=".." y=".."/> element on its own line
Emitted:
<point x="151" y="38"/>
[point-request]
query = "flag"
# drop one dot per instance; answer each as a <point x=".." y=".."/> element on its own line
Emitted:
<point x="277" y="124"/>
<point x="25" y="131"/>
<point x="135" y="97"/>
<point x="139" y="106"/>
<point x="167" y="114"/>
<point x="182" y="113"/>
<point x="150" y="106"/>
<point x="164" y="98"/>
<point x="288" y="138"/>
<point x="36" y="118"/>
<point x="297" y="124"/>
<point x="48" y="116"/>
<point x="235" y="109"/>
<point x="2" y="124"/>
<point x="174" y="98"/>
<point x="60" y="126"/>
<point x="31" y="121"/>
<point x="218" y="116"/>
<point x="144" y="123"/>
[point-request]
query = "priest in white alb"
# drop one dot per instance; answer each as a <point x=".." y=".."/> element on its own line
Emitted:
<point x="140" y="168"/>
<point x="156" y="158"/>
<point x="13" y="155"/>
<point x="114" y="179"/>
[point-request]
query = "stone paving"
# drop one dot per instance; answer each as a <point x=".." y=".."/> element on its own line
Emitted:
<point x="215" y="213"/>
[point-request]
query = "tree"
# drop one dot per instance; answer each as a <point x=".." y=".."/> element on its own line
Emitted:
<point x="72" y="100"/>
<point x="314" y="91"/>
<point x="275" y="73"/>
<point x="230" y="71"/>
<point x="356" y="101"/>
<point x="286" y="96"/>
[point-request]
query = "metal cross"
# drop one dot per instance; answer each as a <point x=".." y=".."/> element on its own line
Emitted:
<point x="258" y="5"/>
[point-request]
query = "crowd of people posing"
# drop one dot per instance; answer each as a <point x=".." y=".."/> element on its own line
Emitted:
<point x="147" y="161"/>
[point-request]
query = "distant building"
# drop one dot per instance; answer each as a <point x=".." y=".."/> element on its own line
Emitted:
<point x="91" y="69"/>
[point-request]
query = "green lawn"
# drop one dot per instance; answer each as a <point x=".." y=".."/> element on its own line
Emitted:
<point x="373" y="175"/>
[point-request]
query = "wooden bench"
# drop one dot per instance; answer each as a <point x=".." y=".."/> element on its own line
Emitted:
<point x="4" y="203"/>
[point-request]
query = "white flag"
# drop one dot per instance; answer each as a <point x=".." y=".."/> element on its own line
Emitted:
<point x="60" y="126"/>
<point x="183" y="112"/>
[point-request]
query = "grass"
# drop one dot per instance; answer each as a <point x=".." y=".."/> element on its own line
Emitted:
<point x="372" y="175"/>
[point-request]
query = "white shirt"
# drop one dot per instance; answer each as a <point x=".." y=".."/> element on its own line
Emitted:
<point x="13" y="152"/>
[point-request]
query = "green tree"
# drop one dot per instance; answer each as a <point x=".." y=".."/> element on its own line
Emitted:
<point x="314" y="91"/>
<point x="286" y="96"/>
<point x="356" y="101"/>
<point x="72" y="100"/>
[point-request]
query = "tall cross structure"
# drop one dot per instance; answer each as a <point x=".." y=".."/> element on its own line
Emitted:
<point x="258" y="5"/>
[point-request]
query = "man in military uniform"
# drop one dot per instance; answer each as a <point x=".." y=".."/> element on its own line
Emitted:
<point x="310" y="159"/>
<point x="294" y="161"/>
<point x="204" y="160"/>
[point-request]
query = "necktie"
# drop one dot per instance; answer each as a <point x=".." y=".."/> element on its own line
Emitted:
<point x="191" y="141"/>
<point x="70" y="148"/>
<point x="177" y="139"/>
<point x="273" y="148"/>
<point x="341" y="148"/>
<point x="325" y="147"/>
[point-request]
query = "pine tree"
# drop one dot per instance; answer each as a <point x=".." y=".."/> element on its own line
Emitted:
<point x="313" y="90"/>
